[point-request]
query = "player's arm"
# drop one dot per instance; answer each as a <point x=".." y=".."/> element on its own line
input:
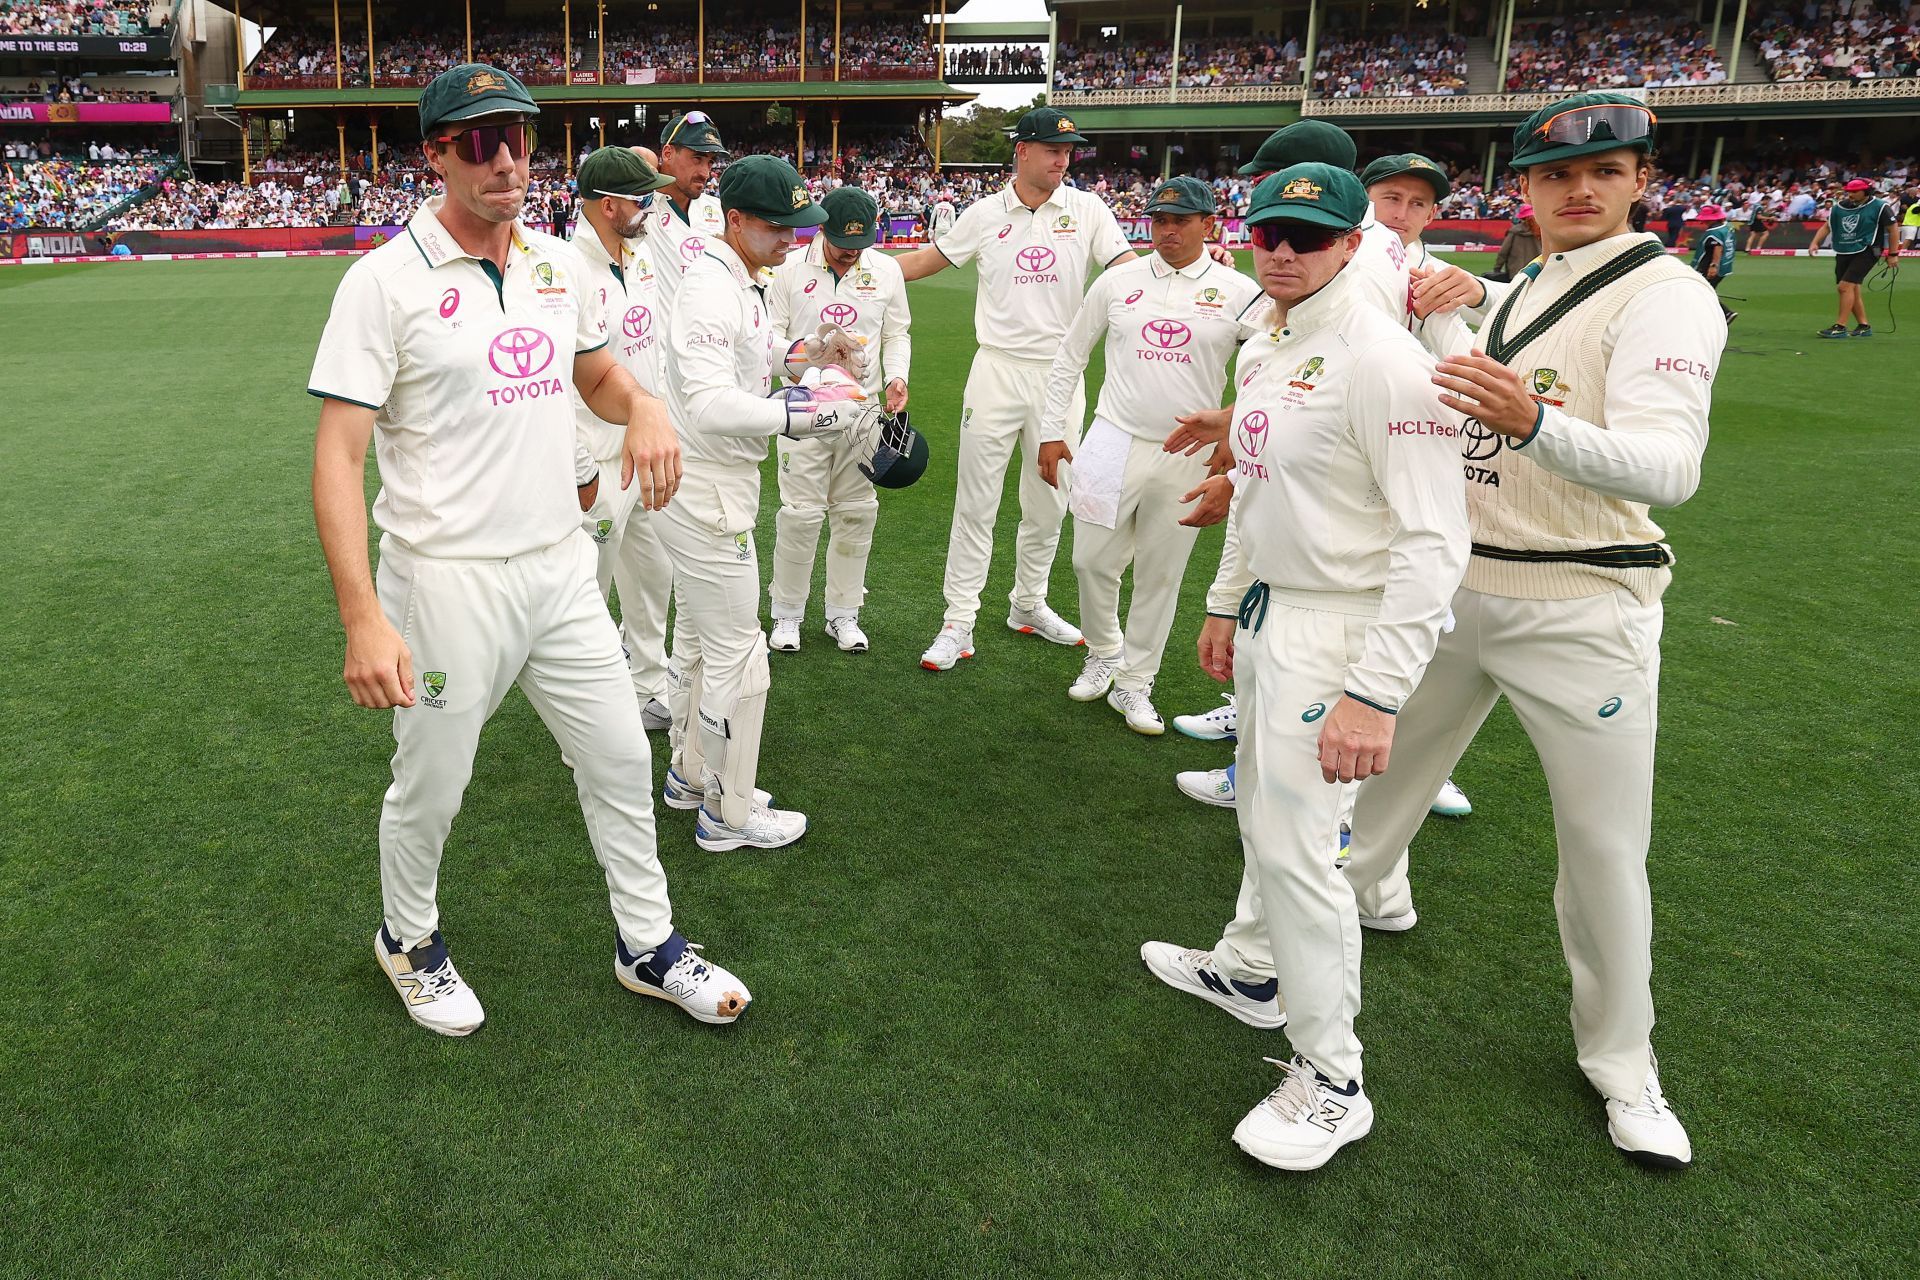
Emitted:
<point x="918" y="264"/>
<point x="651" y="454"/>
<point x="1819" y="237"/>
<point x="896" y="348"/>
<point x="1666" y="346"/>
<point x="1230" y="583"/>
<point x="379" y="667"/>
<point x="1063" y="378"/>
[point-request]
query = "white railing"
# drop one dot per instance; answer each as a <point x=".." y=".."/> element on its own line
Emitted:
<point x="1070" y="98"/>
<point x="1694" y="95"/>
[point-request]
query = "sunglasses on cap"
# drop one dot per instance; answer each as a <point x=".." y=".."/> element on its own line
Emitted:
<point x="479" y="145"/>
<point x="1625" y="122"/>
<point x="1304" y="239"/>
<point x="692" y="117"/>
<point x="644" y="200"/>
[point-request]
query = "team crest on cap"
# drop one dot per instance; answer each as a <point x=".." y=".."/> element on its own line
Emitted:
<point x="1415" y="162"/>
<point x="483" y="82"/>
<point x="1065" y="125"/>
<point x="854" y="229"/>
<point x="800" y="197"/>
<point x="1301" y="189"/>
<point x="1167" y="193"/>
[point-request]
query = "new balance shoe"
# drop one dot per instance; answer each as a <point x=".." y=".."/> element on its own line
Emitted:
<point x="678" y="793"/>
<point x="1208" y="786"/>
<point x="1137" y="706"/>
<point x="1095" y="678"/>
<point x="952" y="644"/>
<point x="847" y="634"/>
<point x="1193" y="971"/>
<point x="1452" y="802"/>
<point x="1221" y="723"/>
<point x="655" y="716"/>
<point x="1305" y="1121"/>
<point x="786" y="635"/>
<point x="1044" y="622"/>
<point x="765" y="828"/>
<point x="676" y="972"/>
<point x="430" y="987"/>
<point x="1646" y="1128"/>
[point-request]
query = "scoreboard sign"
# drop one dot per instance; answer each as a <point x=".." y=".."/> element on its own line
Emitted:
<point x="156" y="46"/>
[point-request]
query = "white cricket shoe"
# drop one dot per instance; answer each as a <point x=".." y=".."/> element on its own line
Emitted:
<point x="952" y="644"/>
<point x="430" y="987"/>
<point x="1044" y="622"/>
<point x="1095" y="678"/>
<point x="1193" y="971"/>
<point x="675" y="972"/>
<point x="1208" y="786"/>
<point x="1452" y="802"/>
<point x="786" y="635"/>
<point x="1137" y="706"/>
<point x="656" y="716"/>
<point x="847" y="634"/>
<point x="1391" y="924"/>
<point x="1222" y="722"/>
<point x="1647" y="1130"/>
<point x="765" y="828"/>
<point x="679" y="794"/>
<point x="1305" y="1121"/>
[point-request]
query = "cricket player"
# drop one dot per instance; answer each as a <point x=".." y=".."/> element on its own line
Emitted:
<point x="686" y="217"/>
<point x="1350" y="529"/>
<point x="839" y="280"/>
<point x="1861" y="224"/>
<point x="723" y="350"/>
<point x="1171" y="323"/>
<point x="1713" y="250"/>
<point x="1910" y="221"/>
<point x="616" y="185"/>
<point x="1037" y="242"/>
<point x="941" y="224"/>
<point x="457" y="349"/>
<point x="1588" y="397"/>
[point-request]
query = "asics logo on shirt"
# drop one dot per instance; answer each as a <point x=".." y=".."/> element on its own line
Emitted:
<point x="449" y="303"/>
<point x="520" y="352"/>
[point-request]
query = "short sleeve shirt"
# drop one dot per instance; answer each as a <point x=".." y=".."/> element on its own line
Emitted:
<point x="677" y="240"/>
<point x="627" y="295"/>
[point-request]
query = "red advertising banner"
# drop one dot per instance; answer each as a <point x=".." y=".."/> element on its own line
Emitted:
<point x="86" y="112"/>
<point x="586" y="77"/>
<point x="79" y="244"/>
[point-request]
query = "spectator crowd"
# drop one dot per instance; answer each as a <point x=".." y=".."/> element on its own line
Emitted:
<point x="1611" y="51"/>
<point x="1148" y="64"/>
<point x="70" y="192"/>
<point x="73" y="18"/>
<point x="72" y="89"/>
<point x="1852" y="40"/>
<point x="1410" y="64"/>
<point x="972" y="61"/>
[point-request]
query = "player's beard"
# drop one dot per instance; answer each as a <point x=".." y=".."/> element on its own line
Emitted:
<point x="633" y="226"/>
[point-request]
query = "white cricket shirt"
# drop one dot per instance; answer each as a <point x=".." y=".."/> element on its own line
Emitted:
<point x="1034" y="265"/>
<point x="1170" y="334"/>
<point x="721" y="350"/>
<point x="678" y="239"/>
<point x="870" y="301"/>
<point x="470" y="371"/>
<point x="627" y="296"/>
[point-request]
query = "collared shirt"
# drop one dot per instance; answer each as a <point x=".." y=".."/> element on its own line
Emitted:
<point x="1380" y="273"/>
<point x="1169" y="336"/>
<point x="627" y="296"/>
<point x="721" y="348"/>
<point x="1034" y="265"/>
<point x="1347" y="480"/>
<point x="1443" y="333"/>
<point x="678" y="239"/>
<point x="470" y="370"/>
<point x="870" y="301"/>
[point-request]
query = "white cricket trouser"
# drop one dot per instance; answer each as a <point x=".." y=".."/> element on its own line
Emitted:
<point x="720" y="653"/>
<point x="1149" y="536"/>
<point x="1002" y="406"/>
<point x="1289" y="670"/>
<point x="632" y="559"/>
<point x="476" y="628"/>
<point x="821" y="482"/>
<point x="1583" y="677"/>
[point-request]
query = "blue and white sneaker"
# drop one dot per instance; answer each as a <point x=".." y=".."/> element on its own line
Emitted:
<point x="765" y="828"/>
<point x="1222" y="724"/>
<point x="1208" y="786"/>
<point x="1193" y="971"/>
<point x="675" y="972"/>
<point x="1452" y="802"/>
<point x="430" y="987"/>
<point x="1306" y="1120"/>
<point x="677" y="794"/>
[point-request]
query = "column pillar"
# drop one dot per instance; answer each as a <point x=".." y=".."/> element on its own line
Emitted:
<point x="836" y="134"/>
<point x="1739" y="36"/>
<point x="339" y="63"/>
<point x="373" y="127"/>
<point x="373" y="79"/>
<point x="1173" y="76"/>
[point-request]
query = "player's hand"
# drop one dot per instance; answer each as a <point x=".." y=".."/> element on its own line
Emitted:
<point x="1198" y="430"/>
<point x="1216" y="648"/>
<point x="589" y="493"/>
<point x="651" y="454"/>
<point x="1713" y="273"/>
<point x="896" y="395"/>
<point x="1213" y="499"/>
<point x="1222" y="255"/>
<point x="1221" y="460"/>
<point x="379" y="671"/>
<point x="1443" y="289"/>
<point x="1052" y="454"/>
<point x="1484" y="388"/>
<point x="1354" y="742"/>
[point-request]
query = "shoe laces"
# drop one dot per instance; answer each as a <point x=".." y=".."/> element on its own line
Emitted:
<point x="1298" y="1096"/>
<point x="1652" y="1104"/>
<point x="690" y="967"/>
<point x="441" y="980"/>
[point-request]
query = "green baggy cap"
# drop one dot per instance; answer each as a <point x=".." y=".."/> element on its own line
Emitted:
<point x="469" y="91"/>
<point x="1320" y="194"/>
<point x="1301" y="142"/>
<point x="1183" y="195"/>
<point x="1408" y="162"/>
<point x="1583" y="125"/>
<point x="768" y="187"/>
<point x="619" y="171"/>
<point x="853" y="218"/>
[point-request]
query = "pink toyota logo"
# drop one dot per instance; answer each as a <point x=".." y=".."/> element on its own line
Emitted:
<point x="1253" y="433"/>
<point x="520" y="353"/>
<point x="840" y="313"/>
<point x="1034" y="258"/>
<point x="692" y="247"/>
<point x="1168" y="335"/>
<point x="449" y="303"/>
<point x="637" y="323"/>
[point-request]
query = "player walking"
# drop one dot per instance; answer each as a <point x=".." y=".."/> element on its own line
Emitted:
<point x="1037" y="241"/>
<point x="1171" y="322"/>
<point x="1861" y="224"/>
<point x="458" y="347"/>
<point x="841" y="281"/>
<point x="1589" y="405"/>
<point x="687" y="217"/>
<point x="1713" y="250"/>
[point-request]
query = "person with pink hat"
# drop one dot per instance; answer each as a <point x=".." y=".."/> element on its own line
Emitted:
<point x="1713" y="249"/>
<point x="1521" y="246"/>
<point x="1861" y="224"/>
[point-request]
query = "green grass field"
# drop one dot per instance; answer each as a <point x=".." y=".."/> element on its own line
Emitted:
<point x="956" y="1064"/>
